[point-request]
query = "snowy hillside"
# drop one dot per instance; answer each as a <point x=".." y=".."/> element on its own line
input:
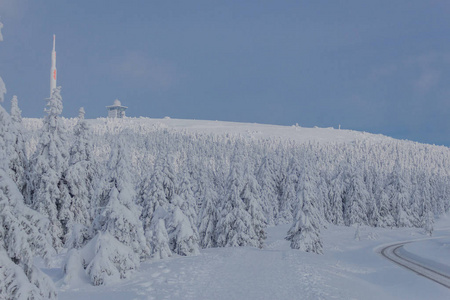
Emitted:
<point x="119" y="201"/>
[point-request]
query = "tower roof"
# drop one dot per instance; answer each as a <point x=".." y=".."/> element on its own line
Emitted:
<point x="116" y="104"/>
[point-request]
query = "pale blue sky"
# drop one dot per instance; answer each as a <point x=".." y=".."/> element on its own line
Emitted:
<point x="376" y="66"/>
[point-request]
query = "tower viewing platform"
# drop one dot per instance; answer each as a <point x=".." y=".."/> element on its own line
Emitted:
<point x="116" y="110"/>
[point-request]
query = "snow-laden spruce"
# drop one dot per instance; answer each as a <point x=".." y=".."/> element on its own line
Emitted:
<point x="305" y="231"/>
<point x="13" y="145"/>
<point x="157" y="236"/>
<point x="48" y="191"/>
<point x="21" y="229"/>
<point x="286" y="203"/>
<point x="18" y="160"/>
<point x="16" y="112"/>
<point x="208" y="219"/>
<point x="177" y="216"/>
<point x="183" y="240"/>
<point x="2" y="90"/>
<point x="269" y="183"/>
<point x="21" y="239"/>
<point x="80" y="175"/>
<point x="241" y="222"/>
<point x="119" y="243"/>
<point x="6" y="138"/>
<point x="154" y="198"/>
<point x="187" y="202"/>
<point x="107" y="259"/>
<point x="117" y="222"/>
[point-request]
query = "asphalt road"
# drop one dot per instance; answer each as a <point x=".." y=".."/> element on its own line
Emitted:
<point x="393" y="253"/>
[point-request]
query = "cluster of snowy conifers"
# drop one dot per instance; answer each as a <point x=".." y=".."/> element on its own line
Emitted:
<point x="112" y="194"/>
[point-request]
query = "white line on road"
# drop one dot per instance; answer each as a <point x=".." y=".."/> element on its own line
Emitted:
<point x="391" y="253"/>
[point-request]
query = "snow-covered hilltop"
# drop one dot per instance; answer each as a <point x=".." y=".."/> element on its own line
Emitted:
<point x="113" y="193"/>
<point x="252" y="130"/>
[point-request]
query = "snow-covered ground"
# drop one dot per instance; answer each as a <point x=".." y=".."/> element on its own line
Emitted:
<point x="349" y="269"/>
<point x="252" y="130"/>
<point x="433" y="252"/>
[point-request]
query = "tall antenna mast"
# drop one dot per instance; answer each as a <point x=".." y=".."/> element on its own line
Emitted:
<point x="53" y="69"/>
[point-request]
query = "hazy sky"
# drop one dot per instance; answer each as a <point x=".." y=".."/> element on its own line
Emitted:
<point x="376" y="66"/>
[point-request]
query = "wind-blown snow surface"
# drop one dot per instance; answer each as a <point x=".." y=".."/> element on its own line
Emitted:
<point x="253" y="130"/>
<point x="348" y="269"/>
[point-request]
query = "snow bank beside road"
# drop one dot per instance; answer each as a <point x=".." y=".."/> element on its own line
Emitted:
<point x="435" y="251"/>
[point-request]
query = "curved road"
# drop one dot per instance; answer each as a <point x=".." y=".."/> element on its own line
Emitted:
<point x="392" y="253"/>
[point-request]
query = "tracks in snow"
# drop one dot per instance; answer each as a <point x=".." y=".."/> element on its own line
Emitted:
<point x="391" y="253"/>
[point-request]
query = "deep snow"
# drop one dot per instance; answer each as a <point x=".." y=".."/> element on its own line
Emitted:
<point x="349" y="269"/>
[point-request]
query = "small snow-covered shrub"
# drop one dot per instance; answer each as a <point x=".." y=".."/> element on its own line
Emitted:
<point x="111" y="259"/>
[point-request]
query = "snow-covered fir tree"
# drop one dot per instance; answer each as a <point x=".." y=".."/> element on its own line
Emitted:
<point x="208" y="219"/>
<point x="119" y="215"/>
<point x="267" y="179"/>
<point x="356" y="198"/>
<point x="428" y="219"/>
<point x="108" y="259"/>
<point x="157" y="192"/>
<point x="304" y="233"/>
<point x="14" y="283"/>
<point x="79" y="177"/>
<point x="6" y="138"/>
<point x="336" y="187"/>
<point x="157" y="189"/>
<point x="2" y="90"/>
<point x="189" y="205"/>
<point x="21" y="239"/>
<point x="179" y="220"/>
<point x="288" y="192"/>
<point x="250" y="196"/>
<point x="157" y="235"/>
<point x="119" y="244"/>
<point x="235" y="227"/>
<point x="18" y="161"/>
<point x="384" y="209"/>
<point x="16" y="113"/>
<point x="21" y="229"/>
<point x="398" y="190"/>
<point x="48" y="164"/>
<point x="183" y="240"/>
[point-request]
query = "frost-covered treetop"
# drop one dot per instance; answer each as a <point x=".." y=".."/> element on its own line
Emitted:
<point x="16" y="113"/>
<point x="2" y="89"/>
<point x="54" y="104"/>
<point x="81" y="113"/>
